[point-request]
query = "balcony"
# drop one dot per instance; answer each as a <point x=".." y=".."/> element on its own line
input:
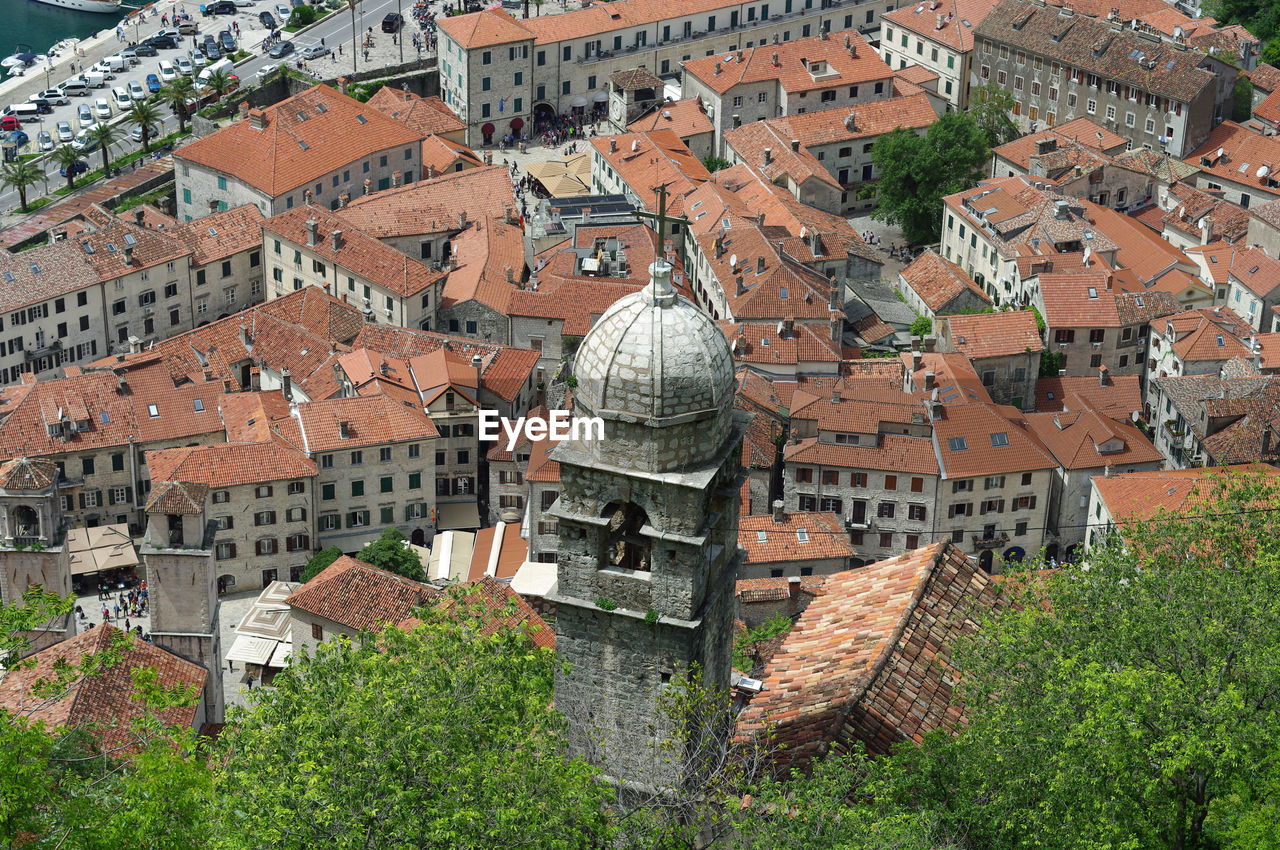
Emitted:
<point x="995" y="542"/>
<point x="42" y="350"/>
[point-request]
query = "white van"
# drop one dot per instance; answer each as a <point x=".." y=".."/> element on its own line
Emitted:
<point x="75" y="88"/>
<point x="95" y="79"/>
<point x="25" y="111"/>
<point x="116" y="63"/>
<point x="224" y="65"/>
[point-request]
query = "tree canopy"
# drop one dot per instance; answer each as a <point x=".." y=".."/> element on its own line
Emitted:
<point x="917" y="172"/>
<point x="317" y="562"/>
<point x="390" y="553"/>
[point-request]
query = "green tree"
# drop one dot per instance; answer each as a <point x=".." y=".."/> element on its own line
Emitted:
<point x="144" y="114"/>
<point x="302" y="16"/>
<point x="66" y="157"/>
<point x="1050" y="363"/>
<point x="319" y="561"/>
<point x="715" y="163"/>
<point x="107" y="136"/>
<point x="390" y="553"/>
<point x="1125" y="702"/>
<point x="21" y="175"/>
<point x="922" y="326"/>
<point x="440" y="737"/>
<point x="180" y="93"/>
<point x="916" y="172"/>
<point x="220" y="81"/>
<point x="991" y="107"/>
<point x="1242" y="106"/>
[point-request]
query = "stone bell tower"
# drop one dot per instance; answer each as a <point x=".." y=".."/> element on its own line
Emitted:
<point x="648" y="527"/>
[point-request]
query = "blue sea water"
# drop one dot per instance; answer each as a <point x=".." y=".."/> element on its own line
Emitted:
<point x="41" y="26"/>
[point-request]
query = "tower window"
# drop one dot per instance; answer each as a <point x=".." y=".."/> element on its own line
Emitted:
<point x="625" y="547"/>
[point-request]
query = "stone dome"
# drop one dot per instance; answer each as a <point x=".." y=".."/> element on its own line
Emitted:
<point x="659" y="372"/>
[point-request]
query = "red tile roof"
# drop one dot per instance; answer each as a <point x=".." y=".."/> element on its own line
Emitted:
<point x="802" y="65"/>
<point x="1142" y="495"/>
<point x="432" y="206"/>
<point x="505" y="370"/>
<point x="44" y="272"/>
<point x="686" y="118"/>
<point x="221" y="234"/>
<point x="370" y="421"/>
<point x="1082" y="130"/>
<point x="980" y="427"/>
<point x="483" y="29"/>
<point x="1118" y="398"/>
<point x="442" y="156"/>
<point x="645" y="161"/>
<point x="1003" y="334"/>
<point x="488" y="266"/>
<point x="1087" y="439"/>
<point x="938" y="281"/>
<point x="1243" y="148"/>
<point x="768" y="541"/>
<point x="337" y="130"/>
<point x="177" y="497"/>
<point x="892" y="453"/>
<point x="25" y="474"/>
<point x="229" y="464"/>
<point x="870" y="660"/>
<point x="108" y="239"/>
<point x="425" y="116"/>
<point x="959" y="18"/>
<point x="496" y="606"/>
<point x="360" y="596"/>
<point x="105" y="704"/>
<point x="1255" y="271"/>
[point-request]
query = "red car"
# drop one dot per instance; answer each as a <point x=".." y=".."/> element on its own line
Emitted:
<point x="10" y="122"/>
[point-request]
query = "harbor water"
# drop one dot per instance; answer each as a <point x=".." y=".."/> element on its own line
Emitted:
<point x="41" y="26"/>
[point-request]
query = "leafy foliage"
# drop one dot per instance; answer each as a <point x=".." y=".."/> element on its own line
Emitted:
<point x="21" y="176"/>
<point x="302" y="16"/>
<point x="921" y="326"/>
<point x="318" y="561"/>
<point x="1242" y="107"/>
<point x="715" y="163"/>
<point x="991" y="106"/>
<point x="917" y="172"/>
<point x="390" y="553"/>
<point x="745" y="644"/>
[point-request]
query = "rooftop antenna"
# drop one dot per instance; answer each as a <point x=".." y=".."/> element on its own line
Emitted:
<point x="660" y="220"/>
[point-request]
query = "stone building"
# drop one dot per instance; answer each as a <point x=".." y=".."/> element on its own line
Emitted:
<point x="1239" y="163"/>
<point x="803" y="543"/>
<point x="226" y="264"/>
<point x="1004" y="349"/>
<point x="648" y="526"/>
<point x="937" y="36"/>
<point x="1058" y="65"/>
<point x="935" y="287"/>
<point x="632" y="93"/>
<point x="52" y="303"/>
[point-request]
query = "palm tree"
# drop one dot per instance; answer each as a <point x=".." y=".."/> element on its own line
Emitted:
<point x="180" y="94"/>
<point x="145" y="115"/>
<point x="106" y="135"/>
<point x="67" y="156"/>
<point x="355" y="36"/>
<point x="220" y="82"/>
<point x="21" y="175"/>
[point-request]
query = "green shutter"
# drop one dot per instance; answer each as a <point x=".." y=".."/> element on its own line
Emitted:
<point x="326" y="492"/>
<point x="128" y="495"/>
<point x="81" y="501"/>
<point x="415" y="480"/>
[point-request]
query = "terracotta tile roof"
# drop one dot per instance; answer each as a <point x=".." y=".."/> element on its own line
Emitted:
<point x="505" y="370"/>
<point x="1255" y="271"/>
<point x="1265" y="77"/>
<point x="577" y="301"/>
<point x="229" y="464"/>
<point x="761" y="343"/>
<point x="982" y="335"/>
<point x="1157" y="164"/>
<point x="1166" y="19"/>
<point x="1190" y="207"/>
<point x="1242" y="149"/>
<point x="645" y="161"/>
<point x="685" y="118"/>
<point x="25" y="474"/>
<point x="800" y="536"/>
<point x="634" y="79"/>
<point x="221" y="234"/>
<point x="959" y="17"/>
<point x="892" y="452"/>
<point x="956" y="379"/>
<point x="1269" y="109"/>
<point x="750" y="140"/>
<point x="938" y="282"/>
<point x="177" y="497"/>
<point x="425" y="116"/>
<point x="857" y="406"/>
<point x="511" y="555"/>
<point x="1135" y="496"/>
<point x="1087" y="439"/>
<point x="371" y="420"/>
<point x="1196" y="334"/>
<point x="870" y="659"/>
<point x="358" y="252"/>
<point x="441" y="156"/>
<point x="105" y="704"/>
<point x="596" y="20"/>
<point x="488" y="260"/>
<point x="1090" y="44"/>
<point x="1137" y="248"/>
<point x="109" y="238"/>
<point x="983" y="451"/>
<point x="483" y="29"/>
<point x="1234" y="40"/>
<point x="1080" y="130"/>
<point x="1078" y="300"/>
<point x="1117" y="399"/>
<point x="432" y="206"/>
<point x="361" y="596"/>
<point x="802" y="65"/>
<point x="38" y="274"/>
<point x="753" y="590"/>
<point x="336" y="130"/>
<point x="918" y="74"/>
<point x="774" y="285"/>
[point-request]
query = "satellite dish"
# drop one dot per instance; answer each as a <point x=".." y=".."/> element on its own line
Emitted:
<point x="1135" y="416"/>
<point x="733" y="260"/>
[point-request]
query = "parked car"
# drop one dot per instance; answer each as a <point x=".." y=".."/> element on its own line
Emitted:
<point x="167" y="72"/>
<point x="63" y="129"/>
<point x="85" y="116"/>
<point x="283" y="11"/>
<point x="44" y="140"/>
<point x="136" y="133"/>
<point x="315" y="51"/>
<point x="102" y="109"/>
<point x="43" y="107"/>
<point x="222" y="7"/>
<point x="136" y="91"/>
<point x="392" y="22"/>
<point x="197" y="59"/>
<point x="163" y="42"/>
<point x="267" y="70"/>
<point x="77" y="167"/>
<point x="120" y="99"/>
<point x="17" y="138"/>
<point x="280" y="49"/>
<point x="226" y="42"/>
<point x="244" y="4"/>
<point x="188" y="28"/>
<point x="130" y="55"/>
<point x="54" y="96"/>
<point x="268" y="21"/>
<point x="210" y="48"/>
<point x="185" y="68"/>
<point x="10" y="122"/>
<point x="84" y="143"/>
<point x="153" y="84"/>
<point x="145" y="49"/>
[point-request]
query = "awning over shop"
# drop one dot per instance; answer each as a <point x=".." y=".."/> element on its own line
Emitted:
<point x="578" y="102"/>
<point x="284" y="652"/>
<point x="107" y="547"/>
<point x="487" y="128"/>
<point x="601" y="97"/>
<point x="248" y="649"/>
<point x="458" y="515"/>
<point x="517" y="123"/>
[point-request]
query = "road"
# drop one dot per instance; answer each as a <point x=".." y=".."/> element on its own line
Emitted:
<point x="334" y="30"/>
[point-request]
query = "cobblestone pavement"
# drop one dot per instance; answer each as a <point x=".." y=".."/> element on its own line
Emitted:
<point x="232" y="608"/>
<point x="889" y="235"/>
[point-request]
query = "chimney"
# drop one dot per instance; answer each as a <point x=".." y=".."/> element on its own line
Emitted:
<point x="835" y="298"/>
<point x="140" y="216"/>
<point x="511" y="276"/>
<point x="246" y="339"/>
<point x="306" y="197"/>
<point x="344" y="429"/>
<point x="739" y="55"/>
<point x="788" y="327"/>
<point x="915" y="343"/>
<point x="775" y="58"/>
<point x="431" y="172"/>
<point x="759" y="265"/>
<point x="740" y="286"/>
<point x="917" y="359"/>
<point x="768" y="155"/>
<point x="383" y="369"/>
<point x="1102" y="375"/>
<point x="778" y="514"/>
<point x="794" y="586"/>
<point x="613" y="146"/>
<point x="368" y="185"/>
<point x="930" y="343"/>
<point x="717" y="69"/>
<point x="397" y="179"/>
<point x="244" y="109"/>
<point x="837" y="328"/>
<point x="344" y="199"/>
<point x="835" y="396"/>
<point x="850" y="123"/>
<point x="930" y="380"/>
<point x="128" y="255"/>
<point x="1206" y="230"/>
<point x="342" y="82"/>
<point x="257" y="119"/>
<point x="462" y="220"/>
<point x="847" y="41"/>
<point x="935" y="409"/>
<point x="719" y="247"/>
<point x="938" y="25"/>
<point x="795" y="437"/>
<point x="336" y="236"/>
<point x="312" y="227"/>
<point x="815" y="244"/>
<point x="795" y="145"/>
<point x="1048" y="145"/>
<point x="286" y="385"/>
<point x="1060" y="210"/>
<point x="586" y="215"/>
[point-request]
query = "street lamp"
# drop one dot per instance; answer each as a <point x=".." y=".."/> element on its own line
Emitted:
<point x="400" y="35"/>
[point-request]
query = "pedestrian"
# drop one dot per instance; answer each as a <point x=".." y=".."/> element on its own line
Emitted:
<point x="322" y="41"/>
<point x="231" y="665"/>
<point x="250" y="683"/>
<point x="339" y="49"/>
<point x="116" y="610"/>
